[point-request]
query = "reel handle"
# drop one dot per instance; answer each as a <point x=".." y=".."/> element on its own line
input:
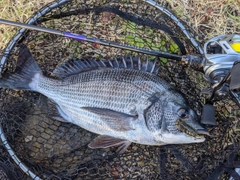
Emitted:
<point x="235" y="76"/>
<point x="208" y="115"/>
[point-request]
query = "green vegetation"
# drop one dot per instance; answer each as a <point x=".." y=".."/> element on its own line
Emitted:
<point x="142" y="37"/>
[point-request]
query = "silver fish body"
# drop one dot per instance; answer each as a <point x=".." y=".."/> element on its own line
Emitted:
<point x="122" y="104"/>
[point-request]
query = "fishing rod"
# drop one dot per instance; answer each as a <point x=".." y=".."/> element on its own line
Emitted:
<point x="92" y="40"/>
<point x="194" y="61"/>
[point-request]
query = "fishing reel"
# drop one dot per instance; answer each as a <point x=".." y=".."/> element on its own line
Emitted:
<point x="220" y="63"/>
<point x="221" y="54"/>
<point x="222" y="70"/>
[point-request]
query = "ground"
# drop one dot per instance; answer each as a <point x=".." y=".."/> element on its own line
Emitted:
<point x="207" y="17"/>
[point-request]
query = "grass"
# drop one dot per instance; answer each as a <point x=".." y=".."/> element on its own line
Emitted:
<point x="16" y="10"/>
<point x="208" y="17"/>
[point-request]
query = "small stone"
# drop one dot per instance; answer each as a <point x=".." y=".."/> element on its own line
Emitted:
<point x="45" y="136"/>
<point x="40" y="129"/>
<point x="141" y="163"/>
<point x="28" y="138"/>
<point x="126" y="173"/>
<point x="114" y="173"/>
<point x="48" y="146"/>
<point x="54" y="127"/>
<point x="49" y="131"/>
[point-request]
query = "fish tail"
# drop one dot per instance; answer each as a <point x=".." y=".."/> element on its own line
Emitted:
<point x="26" y="69"/>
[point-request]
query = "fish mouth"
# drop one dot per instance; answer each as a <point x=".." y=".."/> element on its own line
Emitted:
<point x="187" y="129"/>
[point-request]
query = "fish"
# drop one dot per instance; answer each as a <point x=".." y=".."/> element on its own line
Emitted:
<point x="123" y="100"/>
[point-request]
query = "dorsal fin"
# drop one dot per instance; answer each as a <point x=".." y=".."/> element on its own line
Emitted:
<point x="73" y="67"/>
<point x="77" y="66"/>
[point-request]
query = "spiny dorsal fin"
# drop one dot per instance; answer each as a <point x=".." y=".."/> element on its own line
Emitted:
<point x="73" y="67"/>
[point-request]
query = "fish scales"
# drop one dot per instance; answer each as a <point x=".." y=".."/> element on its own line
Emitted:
<point x="100" y="89"/>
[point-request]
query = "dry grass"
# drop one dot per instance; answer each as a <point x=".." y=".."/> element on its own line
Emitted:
<point x="208" y="17"/>
<point x="16" y="10"/>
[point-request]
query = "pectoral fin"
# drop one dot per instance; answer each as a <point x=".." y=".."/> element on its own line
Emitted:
<point x="115" y="120"/>
<point x="104" y="141"/>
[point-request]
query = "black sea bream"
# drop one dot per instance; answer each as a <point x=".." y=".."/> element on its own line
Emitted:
<point x="123" y="101"/>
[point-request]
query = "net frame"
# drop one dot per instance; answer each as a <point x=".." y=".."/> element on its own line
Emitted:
<point x="176" y="153"/>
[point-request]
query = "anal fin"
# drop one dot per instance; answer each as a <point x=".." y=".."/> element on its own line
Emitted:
<point x="123" y="147"/>
<point x="104" y="141"/>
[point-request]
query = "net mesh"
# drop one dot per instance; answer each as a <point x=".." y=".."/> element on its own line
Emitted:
<point x="57" y="150"/>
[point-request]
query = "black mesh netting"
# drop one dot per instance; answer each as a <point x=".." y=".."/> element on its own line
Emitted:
<point x="56" y="150"/>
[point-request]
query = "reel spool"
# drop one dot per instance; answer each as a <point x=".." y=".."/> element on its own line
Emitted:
<point x="220" y="54"/>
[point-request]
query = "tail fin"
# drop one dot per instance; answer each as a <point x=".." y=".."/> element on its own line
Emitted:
<point x="27" y="67"/>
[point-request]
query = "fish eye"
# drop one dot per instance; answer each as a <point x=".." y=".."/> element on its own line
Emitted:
<point x="183" y="113"/>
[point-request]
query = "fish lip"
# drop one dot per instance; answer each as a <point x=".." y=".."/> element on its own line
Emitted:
<point x="189" y="130"/>
<point x="203" y="131"/>
<point x="202" y="138"/>
<point x="197" y="136"/>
